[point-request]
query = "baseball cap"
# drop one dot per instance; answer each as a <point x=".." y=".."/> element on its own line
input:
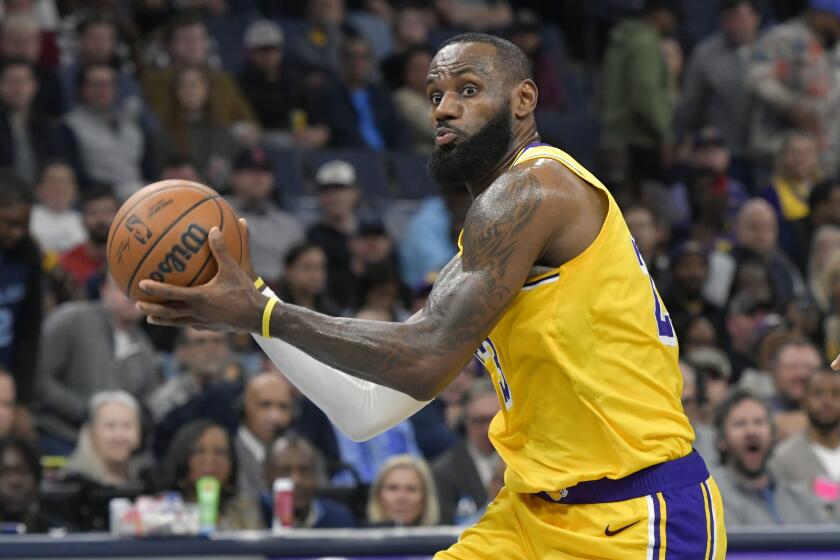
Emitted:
<point x="253" y="158"/>
<point x="832" y="6"/>
<point x="336" y="173"/>
<point x="710" y="360"/>
<point x="708" y="136"/>
<point x="263" y="33"/>
<point x="370" y="226"/>
<point x="747" y="304"/>
<point x="687" y="248"/>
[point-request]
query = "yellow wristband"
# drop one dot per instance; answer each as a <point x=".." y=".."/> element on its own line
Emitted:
<point x="266" y="321"/>
<point x="259" y="283"/>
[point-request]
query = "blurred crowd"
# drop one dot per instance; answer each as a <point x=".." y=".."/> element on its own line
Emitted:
<point x="715" y="123"/>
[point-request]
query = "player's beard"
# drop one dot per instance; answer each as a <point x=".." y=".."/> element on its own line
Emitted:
<point x="470" y="159"/>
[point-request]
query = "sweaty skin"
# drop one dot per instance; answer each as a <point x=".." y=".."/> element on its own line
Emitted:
<point x="535" y="216"/>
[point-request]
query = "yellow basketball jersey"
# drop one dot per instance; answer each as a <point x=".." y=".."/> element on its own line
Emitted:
<point x="585" y="364"/>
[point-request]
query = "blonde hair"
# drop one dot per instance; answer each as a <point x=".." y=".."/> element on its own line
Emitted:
<point x="85" y="458"/>
<point x="829" y="269"/>
<point x="431" y="507"/>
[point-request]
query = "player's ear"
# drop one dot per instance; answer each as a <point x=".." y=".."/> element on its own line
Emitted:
<point x="525" y="97"/>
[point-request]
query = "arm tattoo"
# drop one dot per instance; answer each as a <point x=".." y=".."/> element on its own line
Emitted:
<point x="471" y="293"/>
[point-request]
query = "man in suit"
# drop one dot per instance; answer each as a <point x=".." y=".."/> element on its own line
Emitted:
<point x="813" y="456"/>
<point x="267" y="414"/>
<point x="463" y="473"/>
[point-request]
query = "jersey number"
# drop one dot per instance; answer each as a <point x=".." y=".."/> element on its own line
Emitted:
<point x="485" y="353"/>
<point x="663" y="320"/>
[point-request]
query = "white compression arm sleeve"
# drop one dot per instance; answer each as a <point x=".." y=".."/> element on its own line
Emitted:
<point x="358" y="408"/>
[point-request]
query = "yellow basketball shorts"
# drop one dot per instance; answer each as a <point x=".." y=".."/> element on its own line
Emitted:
<point x="684" y="523"/>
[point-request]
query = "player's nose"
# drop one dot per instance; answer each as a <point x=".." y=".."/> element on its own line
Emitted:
<point x="449" y="107"/>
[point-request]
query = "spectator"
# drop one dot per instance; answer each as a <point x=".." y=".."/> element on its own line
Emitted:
<point x="84" y="261"/>
<point x="410" y="99"/>
<point x="338" y="197"/>
<point x="411" y="32"/>
<point x="694" y="405"/>
<point x="105" y="452"/>
<point x="430" y="239"/>
<point x="830" y="286"/>
<point x="527" y="35"/>
<point x="696" y="333"/>
<point x="27" y="139"/>
<point x="179" y="168"/>
<point x="708" y="198"/>
<point x="359" y="112"/>
<point x="272" y="231"/>
<point x="649" y="235"/>
<point x="20" y="41"/>
<point x="714" y="374"/>
<point x="374" y="267"/>
<point x="204" y="357"/>
<point x="481" y="15"/>
<point x="812" y="457"/>
<point x="266" y="416"/>
<point x="305" y="279"/>
<point x="463" y="473"/>
<point x="794" y="362"/>
<point x="202" y="448"/>
<point x="754" y="496"/>
<point x="20" y="478"/>
<point x="796" y="173"/>
<point x="55" y="222"/>
<point x="194" y="125"/>
<point x="188" y="46"/>
<point x="46" y="15"/>
<point x="8" y="402"/>
<point x="791" y="77"/>
<point x="112" y="147"/>
<point x="97" y="37"/>
<point x="714" y="93"/>
<point x="637" y="107"/>
<point x="403" y="494"/>
<point x="824" y="205"/>
<point x="825" y="243"/>
<point x="294" y="457"/>
<point x="319" y="49"/>
<point x="284" y="107"/>
<point x="20" y="286"/>
<point x="745" y="315"/>
<point x="89" y="347"/>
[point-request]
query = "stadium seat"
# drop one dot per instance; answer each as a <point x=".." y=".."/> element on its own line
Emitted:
<point x="370" y="171"/>
<point x="576" y="134"/>
<point x="409" y="171"/>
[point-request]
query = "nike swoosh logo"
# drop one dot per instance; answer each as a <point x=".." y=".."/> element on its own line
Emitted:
<point x="610" y="533"/>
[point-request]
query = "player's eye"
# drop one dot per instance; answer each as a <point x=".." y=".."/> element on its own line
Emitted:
<point x="436" y="98"/>
<point x="469" y="91"/>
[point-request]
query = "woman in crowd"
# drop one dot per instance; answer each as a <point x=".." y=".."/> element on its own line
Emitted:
<point x="403" y="494"/>
<point x="203" y="448"/>
<point x="305" y="279"/>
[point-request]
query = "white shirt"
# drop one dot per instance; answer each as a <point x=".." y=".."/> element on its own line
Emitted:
<point x="484" y="464"/>
<point x="57" y="231"/>
<point x="251" y="443"/>
<point x="830" y="459"/>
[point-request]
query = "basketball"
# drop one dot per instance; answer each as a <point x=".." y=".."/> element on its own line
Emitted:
<point x="160" y="233"/>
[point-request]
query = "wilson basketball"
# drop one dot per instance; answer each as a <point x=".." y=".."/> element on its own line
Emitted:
<point x="160" y="233"/>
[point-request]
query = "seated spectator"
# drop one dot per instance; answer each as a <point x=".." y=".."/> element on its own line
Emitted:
<point x="267" y="414"/>
<point x="45" y="13"/>
<point x="276" y="91"/>
<point x="403" y="494"/>
<point x="754" y="496"/>
<point x="411" y="102"/>
<point x="294" y="457"/>
<point x="374" y="267"/>
<point x="193" y="126"/>
<point x="305" y="279"/>
<point x="188" y="46"/>
<point x="359" y="112"/>
<point x="20" y="478"/>
<point x="796" y="173"/>
<point x="527" y="35"/>
<point x="20" y="40"/>
<point x="108" y="440"/>
<point x="463" y="473"/>
<point x="697" y="332"/>
<point x="745" y="315"/>
<point x="179" y="168"/>
<point x="824" y="209"/>
<point x="87" y="259"/>
<point x="825" y="243"/>
<point x="318" y="50"/>
<point x="272" y="232"/>
<point x="430" y="239"/>
<point x="202" y="448"/>
<point x="411" y="31"/>
<point x="830" y="286"/>
<point x="203" y="358"/>
<point x="650" y="236"/>
<point x="111" y="145"/>
<point x="794" y="362"/>
<point x="481" y="15"/>
<point x="89" y="347"/>
<point x="339" y="198"/>
<point x="27" y="138"/>
<point x="55" y="222"/>
<point x="20" y="285"/>
<point x="714" y="375"/>
<point x="694" y="405"/>
<point x="812" y="457"/>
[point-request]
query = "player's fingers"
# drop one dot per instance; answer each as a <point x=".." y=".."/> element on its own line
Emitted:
<point x="163" y="311"/>
<point x="835" y="365"/>
<point x="219" y="249"/>
<point x="175" y="322"/>
<point x="243" y="227"/>
<point x="166" y="291"/>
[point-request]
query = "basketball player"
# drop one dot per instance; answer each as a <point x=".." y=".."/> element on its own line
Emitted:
<point x="550" y="291"/>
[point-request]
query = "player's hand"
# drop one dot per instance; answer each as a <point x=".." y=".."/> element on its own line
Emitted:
<point x="228" y="302"/>
<point x="245" y="261"/>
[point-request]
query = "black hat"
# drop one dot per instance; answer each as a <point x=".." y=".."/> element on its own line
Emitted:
<point x="253" y="158"/>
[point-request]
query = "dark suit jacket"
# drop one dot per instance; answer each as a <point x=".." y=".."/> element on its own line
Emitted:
<point x="44" y="138"/>
<point x="344" y="125"/>
<point x="456" y="477"/>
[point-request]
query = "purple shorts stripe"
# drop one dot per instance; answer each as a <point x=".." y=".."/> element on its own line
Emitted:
<point x="657" y="540"/>
<point x="711" y="518"/>
<point x="686" y="516"/>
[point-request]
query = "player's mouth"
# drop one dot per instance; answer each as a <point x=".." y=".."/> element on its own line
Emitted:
<point x="444" y="136"/>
